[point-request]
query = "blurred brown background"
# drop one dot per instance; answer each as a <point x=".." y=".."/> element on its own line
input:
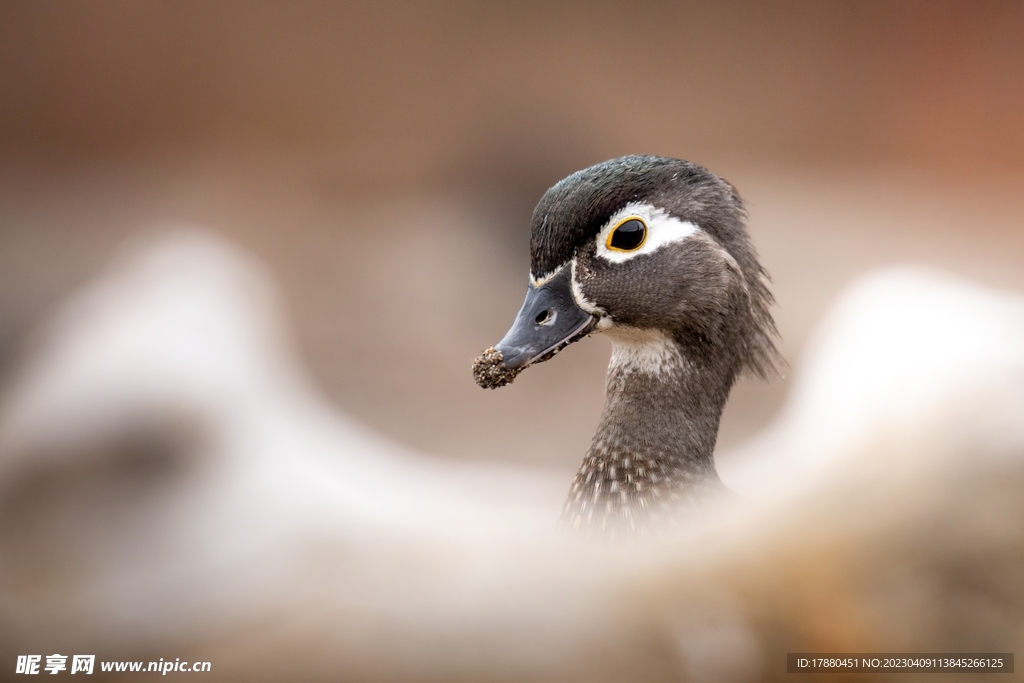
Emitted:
<point x="383" y="160"/>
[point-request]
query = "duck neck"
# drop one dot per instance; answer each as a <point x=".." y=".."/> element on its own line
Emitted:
<point x="653" y="451"/>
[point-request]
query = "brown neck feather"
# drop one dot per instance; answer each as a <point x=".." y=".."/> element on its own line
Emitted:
<point x="653" y="452"/>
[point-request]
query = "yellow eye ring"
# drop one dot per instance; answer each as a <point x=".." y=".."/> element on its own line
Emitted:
<point x="629" y="234"/>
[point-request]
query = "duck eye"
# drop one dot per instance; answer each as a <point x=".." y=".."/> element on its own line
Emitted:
<point x="629" y="235"/>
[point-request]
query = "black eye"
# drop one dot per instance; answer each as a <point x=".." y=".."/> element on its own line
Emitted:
<point x="629" y="235"/>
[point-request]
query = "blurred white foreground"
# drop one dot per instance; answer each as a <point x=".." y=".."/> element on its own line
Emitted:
<point x="172" y="486"/>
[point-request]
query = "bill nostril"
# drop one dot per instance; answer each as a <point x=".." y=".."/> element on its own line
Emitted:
<point x="545" y="317"/>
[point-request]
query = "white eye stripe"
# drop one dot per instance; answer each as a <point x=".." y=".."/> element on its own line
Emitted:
<point x="662" y="229"/>
<point x="544" y="279"/>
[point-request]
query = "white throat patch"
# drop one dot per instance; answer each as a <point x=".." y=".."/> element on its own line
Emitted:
<point x="651" y="352"/>
<point x="662" y="229"/>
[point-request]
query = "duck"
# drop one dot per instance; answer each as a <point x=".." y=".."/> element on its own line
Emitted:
<point x="654" y="253"/>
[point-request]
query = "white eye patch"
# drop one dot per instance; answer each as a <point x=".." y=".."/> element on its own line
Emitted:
<point x="662" y="229"/>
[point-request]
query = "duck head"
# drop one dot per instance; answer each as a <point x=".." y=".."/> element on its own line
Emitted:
<point x="641" y="248"/>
